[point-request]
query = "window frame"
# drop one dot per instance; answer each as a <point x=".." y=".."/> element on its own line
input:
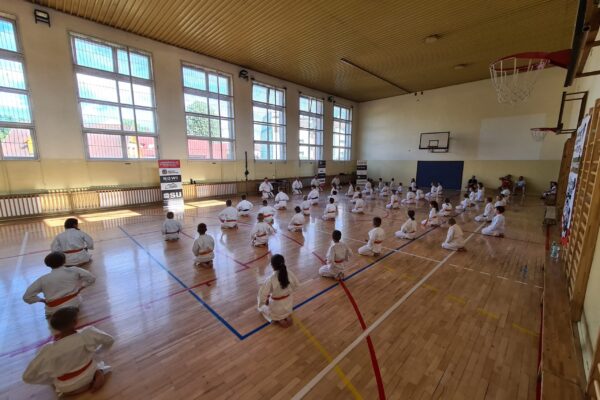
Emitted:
<point x="117" y="77"/>
<point x="19" y="56"/>
<point x="347" y="135"/>
<point x="319" y="148"/>
<point x="208" y="94"/>
<point x="282" y="126"/>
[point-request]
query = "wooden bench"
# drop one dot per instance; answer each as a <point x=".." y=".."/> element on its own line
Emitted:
<point x="550" y="215"/>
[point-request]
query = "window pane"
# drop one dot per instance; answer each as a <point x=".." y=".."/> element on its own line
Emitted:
<point x="225" y="108"/>
<point x="276" y="152"/>
<point x="260" y="114"/>
<point x="259" y="93"/>
<point x="303" y="135"/>
<point x="195" y="104"/>
<point x="140" y="65"/>
<point x="304" y="121"/>
<point x="275" y="117"/>
<point x="96" y="88"/>
<point x="7" y="36"/>
<point x="213" y="83"/>
<point x="14" y="107"/>
<point x="11" y="74"/>
<point x="142" y="95"/>
<point x="227" y="148"/>
<point x="223" y="85"/>
<point x="215" y="128"/>
<point x="132" y="147"/>
<point x="313" y="153"/>
<point x="261" y="132"/>
<point x="336" y="154"/>
<point x="194" y="78"/>
<point x="104" y="146"/>
<point x="303" y="152"/>
<point x="226" y="129"/>
<point x="93" y="55"/>
<point x="216" y="150"/>
<point x="123" y="62"/>
<point x="197" y="126"/>
<point x="336" y="140"/>
<point x="213" y="107"/>
<point x="304" y="104"/>
<point x="17" y="143"/>
<point x="261" y="151"/>
<point x="199" y="149"/>
<point x="140" y="147"/>
<point x="128" y="119"/>
<point x="125" y="95"/>
<point x="336" y="112"/>
<point x="100" y="116"/>
<point x="144" y="120"/>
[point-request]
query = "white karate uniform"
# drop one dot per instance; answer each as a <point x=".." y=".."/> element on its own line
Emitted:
<point x="244" y="207"/>
<point x="408" y="230"/>
<point x="472" y="198"/>
<point x="433" y="219"/>
<point x="359" y="206"/>
<point x="432" y="193"/>
<point x="334" y="197"/>
<point x="487" y="215"/>
<point x="281" y="201"/>
<point x="380" y="186"/>
<point x="500" y="203"/>
<point x="266" y="189"/>
<point x="337" y="258"/>
<point x="355" y="196"/>
<point x="335" y="182"/>
<point x="496" y="228"/>
<point x="373" y="246"/>
<point x="385" y="191"/>
<point x="400" y="189"/>
<point x="268" y="212"/>
<point x="313" y="196"/>
<point x="440" y="189"/>
<point x="260" y="233"/>
<point x="228" y="217"/>
<point x="454" y="238"/>
<point x="410" y="198"/>
<point x="446" y="210"/>
<point x="297" y="187"/>
<point x="505" y="192"/>
<point x="330" y="212"/>
<point x="75" y="245"/>
<point x="368" y="189"/>
<point x="480" y="195"/>
<point x="171" y="229"/>
<point x="464" y="204"/>
<point x="350" y="191"/>
<point x="315" y="182"/>
<point x="305" y="207"/>
<point x="204" y="249"/>
<point x="393" y="185"/>
<point x="393" y="202"/>
<point x="274" y="302"/>
<point x="296" y="223"/>
<point x="60" y="288"/>
<point x="420" y="194"/>
<point x="413" y="185"/>
<point x="69" y="355"/>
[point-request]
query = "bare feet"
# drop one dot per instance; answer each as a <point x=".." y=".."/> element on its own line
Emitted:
<point x="285" y="323"/>
<point x="98" y="381"/>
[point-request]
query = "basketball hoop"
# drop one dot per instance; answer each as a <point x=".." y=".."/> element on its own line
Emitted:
<point x="514" y="76"/>
<point x="539" y="134"/>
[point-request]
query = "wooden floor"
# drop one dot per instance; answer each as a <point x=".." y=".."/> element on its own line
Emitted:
<point x="419" y="322"/>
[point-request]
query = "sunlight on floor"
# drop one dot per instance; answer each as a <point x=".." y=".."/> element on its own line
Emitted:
<point x="59" y="221"/>
<point x="206" y="203"/>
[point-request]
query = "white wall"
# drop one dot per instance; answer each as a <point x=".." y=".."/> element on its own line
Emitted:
<point x="62" y="162"/>
<point x="493" y="139"/>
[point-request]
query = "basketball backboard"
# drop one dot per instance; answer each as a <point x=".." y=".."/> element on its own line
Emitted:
<point x="435" y="142"/>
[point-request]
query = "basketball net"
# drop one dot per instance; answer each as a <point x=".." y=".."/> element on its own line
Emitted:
<point x="514" y="77"/>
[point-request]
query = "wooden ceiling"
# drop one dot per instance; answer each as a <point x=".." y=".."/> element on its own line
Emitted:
<point x="304" y="41"/>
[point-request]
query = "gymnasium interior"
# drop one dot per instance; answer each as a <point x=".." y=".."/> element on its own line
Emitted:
<point x="115" y="112"/>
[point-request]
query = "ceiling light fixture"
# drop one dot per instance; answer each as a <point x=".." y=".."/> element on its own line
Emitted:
<point x="432" y="38"/>
<point x="350" y="63"/>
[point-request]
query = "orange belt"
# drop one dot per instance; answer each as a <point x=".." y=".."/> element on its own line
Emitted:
<point x="338" y="261"/>
<point x="267" y="215"/>
<point x="72" y="251"/>
<point x="280" y="298"/>
<point x="378" y="241"/>
<point x="71" y="375"/>
<point x="205" y="253"/>
<point x="62" y="300"/>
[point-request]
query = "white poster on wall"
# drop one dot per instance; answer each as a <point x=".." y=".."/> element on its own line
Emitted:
<point x="322" y="172"/>
<point x="572" y="180"/>
<point x="361" y="173"/>
<point x="171" y="187"/>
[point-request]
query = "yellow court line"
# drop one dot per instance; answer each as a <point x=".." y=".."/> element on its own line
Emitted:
<point x="429" y="287"/>
<point x="487" y="314"/>
<point x="524" y="330"/>
<point x="456" y="299"/>
<point x="329" y="359"/>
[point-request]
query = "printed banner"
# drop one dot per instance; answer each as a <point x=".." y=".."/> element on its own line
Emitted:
<point x="572" y="181"/>
<point x="171" y="186"/>
<point x="361" y="173"/>
<point x="321" y="172"/>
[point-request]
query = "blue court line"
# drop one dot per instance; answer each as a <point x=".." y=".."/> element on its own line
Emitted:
<point x="183" y="285"/>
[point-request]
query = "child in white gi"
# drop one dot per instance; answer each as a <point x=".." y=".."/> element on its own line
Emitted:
<point x="433" y="219"/>
<point x="68" y="363"/>
<point x="281" y="200"/>
<point x="464" y="204"/>
<point x="488" y="212"/>
<point x="171" y="227"/>
<point x="385" y="191"/>
<point x="74" y="243"/>
<point x="275" y="299"/>
<point x="261" y="231"/>
<point x="440" y="189"/>
<point x="380" y="186"/>
<point x="393" y="185"/>
<point x="480" y="193"/>
<point x="204" y="248"/>
<point x="355" y="195"/>
<point x="266" y="189"/>
<point x="313" y="196"/>
<point x="408" y="230"/>
<point x="244" y="207"/>
<point x="330" y="210"/>
<point x="413" y="184"/>
<point x="500" y="201"/>
<point x="394" y="203"/>
<point x="334" y="196"/>
<point x="432" y="192"/>
<point x="496" y="228"/>
<point x="420" y="195"/>
<point x="60" y="287"/>
<point x="297" y="186"/>
<point x="454" y="237"/>
<point x="297" y="221"/>
<point x="446" y="208"/>
<point x="359" y="204"/>
<point x="228" y="216"/>
<point x="350" y="191"/>
<point x="305" y="206"/>
<point x="400" y="189"/>
<point x="337" y="258"/>
<point x="376" y="236"/>
<point x="368" y="191"/>
<point x="315" y="182"/>
<point x="410" y="197"/>
<point x="268" y="212"/>
<point x="472" y="197"/>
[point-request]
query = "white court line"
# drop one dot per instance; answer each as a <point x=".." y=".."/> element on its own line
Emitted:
<point x="313" y="382"/>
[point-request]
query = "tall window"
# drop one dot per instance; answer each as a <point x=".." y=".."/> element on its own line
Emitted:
<point x="16" y="124"/>
<point x="116" y="99"/>
<point x="311" y="128"/>
<point x="342" y="133"/>
<point x="208" y="114"/>
<point x="268" y="107"/>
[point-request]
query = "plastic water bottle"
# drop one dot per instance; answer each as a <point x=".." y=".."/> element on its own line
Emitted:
<point x="554" y="251"/>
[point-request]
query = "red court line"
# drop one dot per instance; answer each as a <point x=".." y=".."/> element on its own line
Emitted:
<point x="320" y="258"/>
<point x="291" y="238"/>
<point x="374" y="362"/>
